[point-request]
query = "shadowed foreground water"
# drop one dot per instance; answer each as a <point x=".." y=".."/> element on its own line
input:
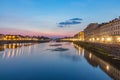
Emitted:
<point x="65" y="61"/>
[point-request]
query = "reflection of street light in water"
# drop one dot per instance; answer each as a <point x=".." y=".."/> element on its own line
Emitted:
<point x="17" y="51"/>
<point x="8" y="54"/>
<point x="72" y="43"/>
<point x="90" y="55"/>
<point x="13" y="53"/>
<point x="3" y="56"/>
<point x="4" y="46"/>
<point x="14" y="50"/>
<point x="79" y="50"/>
<point x="83" y="52"/>
<point x="107" y="67"/>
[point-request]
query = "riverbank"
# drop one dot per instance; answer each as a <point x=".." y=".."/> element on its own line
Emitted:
<point x="23" y="41"/>
<point x="107" y="49"/>
<point x="100" y="51"/>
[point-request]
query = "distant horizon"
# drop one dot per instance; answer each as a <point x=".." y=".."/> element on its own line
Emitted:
<point x="13" y="31"/>
<point x="5" y="31"/>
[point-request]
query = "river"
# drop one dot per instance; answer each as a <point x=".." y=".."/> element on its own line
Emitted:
<point x="53" y="61"/>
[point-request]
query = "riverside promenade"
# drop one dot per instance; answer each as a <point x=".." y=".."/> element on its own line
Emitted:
<point x="111" y="49"/>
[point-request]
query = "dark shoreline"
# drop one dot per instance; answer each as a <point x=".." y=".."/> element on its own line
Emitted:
<point x="23" y="41"/>
<point x="103" y="54"/>
<point x="111" y="49"/>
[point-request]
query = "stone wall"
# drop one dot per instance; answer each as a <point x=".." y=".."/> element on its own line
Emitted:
<point x="112" y="49"/>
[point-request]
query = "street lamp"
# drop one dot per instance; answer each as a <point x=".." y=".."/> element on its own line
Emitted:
<point x="90" y="39"/>
<point x="109" y="39"/>
<point x="103" y="39"/>
<point x="118" y="39"/>
<point x="93" y="39"/>
<point x="97" y="39"/>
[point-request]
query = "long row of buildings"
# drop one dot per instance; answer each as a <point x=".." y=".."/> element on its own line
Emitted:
<point x="100" y="33"/>
<point x="20" y="38"/>
<point x="16" y="37"/>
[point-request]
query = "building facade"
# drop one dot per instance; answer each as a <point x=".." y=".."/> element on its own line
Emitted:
<point x="89" y="31"/>
<point x="103" y="33"/>
<point x="1" y="36"/>
<point x="79" y="36"/>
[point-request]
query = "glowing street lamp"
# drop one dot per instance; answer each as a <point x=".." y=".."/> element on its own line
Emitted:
<point x="118" y="39"/>
<point x="103" y="39"/>
<point x="109" y="39"/>
<point x="97" y="39"/>
<point x="93" y="39"/>
<point x="90" y="39"/>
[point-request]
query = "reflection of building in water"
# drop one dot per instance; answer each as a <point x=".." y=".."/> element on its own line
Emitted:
<point x="80" y="50"/>
<point x="1" y="47"/>
<point x="105" y="66"/>
<point x="15" y="49"/>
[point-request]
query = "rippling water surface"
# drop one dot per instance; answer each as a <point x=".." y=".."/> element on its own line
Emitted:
<point x="52" y="61"/>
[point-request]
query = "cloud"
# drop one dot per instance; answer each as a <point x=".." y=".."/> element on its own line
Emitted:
<point x="73" y="21"/>
<point x="76" y="19"/>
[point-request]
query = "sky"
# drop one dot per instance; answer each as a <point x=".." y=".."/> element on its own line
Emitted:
<point x="54" y="18"/>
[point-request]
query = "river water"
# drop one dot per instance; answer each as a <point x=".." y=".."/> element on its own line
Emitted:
<point x="52" y="61"/>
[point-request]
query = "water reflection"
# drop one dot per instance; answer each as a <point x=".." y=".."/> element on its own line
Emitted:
<point x="71" y="64"/>
<point x="95" y="61"/>
<point x="80" y="50"/>
<point x="65" y="51"/>
<point x="72" y="57"/>
<point x="60" y="49"/>
<point x="15" y="49"/>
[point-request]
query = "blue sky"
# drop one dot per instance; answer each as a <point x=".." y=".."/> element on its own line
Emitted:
<point x="43" y="16"/>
